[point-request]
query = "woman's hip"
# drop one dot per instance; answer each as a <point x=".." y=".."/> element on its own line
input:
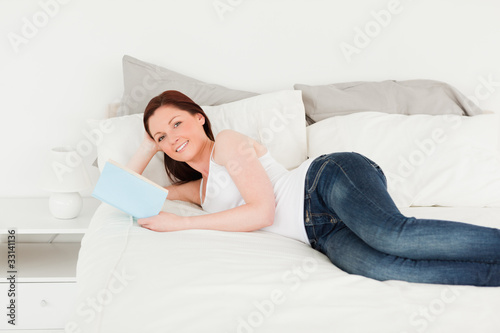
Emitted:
<point x="334" y="178"/>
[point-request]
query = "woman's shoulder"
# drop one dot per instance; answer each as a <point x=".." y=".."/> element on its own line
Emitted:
<point x="230" y="142"/>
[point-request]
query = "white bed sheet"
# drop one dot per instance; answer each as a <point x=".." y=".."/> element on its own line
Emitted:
<point x="131" y="279"/>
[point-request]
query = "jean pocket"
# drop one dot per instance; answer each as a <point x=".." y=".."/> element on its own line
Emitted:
<point x="322" y="218"/>
<point x="314" y="173"/>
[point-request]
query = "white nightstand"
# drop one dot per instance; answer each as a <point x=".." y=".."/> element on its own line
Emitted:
<point x="46" y="253"/>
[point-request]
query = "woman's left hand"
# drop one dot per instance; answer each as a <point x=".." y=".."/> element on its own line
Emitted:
<point x="163" y="222"/>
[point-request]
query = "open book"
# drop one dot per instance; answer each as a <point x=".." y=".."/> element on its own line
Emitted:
<point x="129" y="191"/>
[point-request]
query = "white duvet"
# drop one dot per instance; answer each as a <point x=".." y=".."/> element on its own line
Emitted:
<point x="132" y="279"/>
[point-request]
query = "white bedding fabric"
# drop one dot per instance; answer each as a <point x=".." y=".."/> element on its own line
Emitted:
<point x="132" y="279"/>
<point x="444" y="160"/>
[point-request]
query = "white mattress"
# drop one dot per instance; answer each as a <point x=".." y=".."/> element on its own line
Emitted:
<point x="213" y="281"/>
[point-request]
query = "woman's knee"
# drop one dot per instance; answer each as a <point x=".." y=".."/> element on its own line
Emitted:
<point x="350" y="254"/>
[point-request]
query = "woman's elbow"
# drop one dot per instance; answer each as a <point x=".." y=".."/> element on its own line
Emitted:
<point x="268" y="216"/>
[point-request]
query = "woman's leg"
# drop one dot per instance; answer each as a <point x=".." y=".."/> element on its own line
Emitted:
<point x="349" y="253"/>
<point x="353" y="190"/>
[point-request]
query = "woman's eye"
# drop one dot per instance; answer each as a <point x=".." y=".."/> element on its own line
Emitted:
<point x="161" y="138"/>
<point x="177" y="124"/>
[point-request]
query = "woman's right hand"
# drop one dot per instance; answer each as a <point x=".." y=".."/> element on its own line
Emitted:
<point x="149" y="144"/>
<point x="143" y="155"/>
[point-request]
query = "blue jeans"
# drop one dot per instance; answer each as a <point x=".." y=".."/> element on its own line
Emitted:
<point x="350" y="217"/>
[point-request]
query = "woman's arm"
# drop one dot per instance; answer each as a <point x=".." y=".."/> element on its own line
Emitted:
<point x="189" y="192"/>
<point x="246" y="217"/>
<point x="140" y="160"/>
<point x="237" y="153"/>
<point x="143" y="155"/>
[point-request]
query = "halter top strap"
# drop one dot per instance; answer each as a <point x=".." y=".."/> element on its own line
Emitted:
<point x="201" y="183"/>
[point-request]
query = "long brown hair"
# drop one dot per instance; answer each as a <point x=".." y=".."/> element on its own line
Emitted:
<point x="178" y="172"/>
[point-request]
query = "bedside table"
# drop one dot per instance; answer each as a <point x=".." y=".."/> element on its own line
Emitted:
<point x="44" y="255"/>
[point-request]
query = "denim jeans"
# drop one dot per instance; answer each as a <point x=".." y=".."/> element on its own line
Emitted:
<point x="350" y="217"/>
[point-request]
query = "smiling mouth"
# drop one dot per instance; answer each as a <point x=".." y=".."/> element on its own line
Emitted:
<point x="181" y="148"/>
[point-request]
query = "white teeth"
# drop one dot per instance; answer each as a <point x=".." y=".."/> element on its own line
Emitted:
<point x="183" y="145"/>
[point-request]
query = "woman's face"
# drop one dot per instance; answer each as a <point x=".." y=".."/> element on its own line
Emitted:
<point x="177" y="132"/>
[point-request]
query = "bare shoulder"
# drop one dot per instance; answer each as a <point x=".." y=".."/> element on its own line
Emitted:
<point x="230" y="144"/>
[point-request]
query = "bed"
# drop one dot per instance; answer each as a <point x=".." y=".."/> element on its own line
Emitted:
<point x="442" y="160"/>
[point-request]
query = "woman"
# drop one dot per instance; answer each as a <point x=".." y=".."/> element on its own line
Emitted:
<point x="337" y="203"/>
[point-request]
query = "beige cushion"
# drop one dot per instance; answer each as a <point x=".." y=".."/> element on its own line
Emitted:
<point x="401" y="97"/>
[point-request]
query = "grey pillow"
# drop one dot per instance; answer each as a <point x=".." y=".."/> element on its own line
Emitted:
<point x="143" y="81"/>
<point x="403" y="97"/>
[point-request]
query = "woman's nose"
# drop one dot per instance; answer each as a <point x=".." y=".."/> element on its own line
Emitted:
<point x="174" y="141"/>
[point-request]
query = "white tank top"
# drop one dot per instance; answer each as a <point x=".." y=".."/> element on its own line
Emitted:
<point x="222" y="194"/>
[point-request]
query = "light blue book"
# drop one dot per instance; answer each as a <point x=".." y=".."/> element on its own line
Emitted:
<point x="129" y="191"/>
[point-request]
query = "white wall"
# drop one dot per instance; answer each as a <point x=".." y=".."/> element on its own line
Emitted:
<point x="66" y="70"/>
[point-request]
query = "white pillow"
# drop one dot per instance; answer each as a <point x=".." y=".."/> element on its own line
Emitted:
<point x="275" y="119"/>
<point x="121" y="137"/>
<point x="444" y="160"/>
